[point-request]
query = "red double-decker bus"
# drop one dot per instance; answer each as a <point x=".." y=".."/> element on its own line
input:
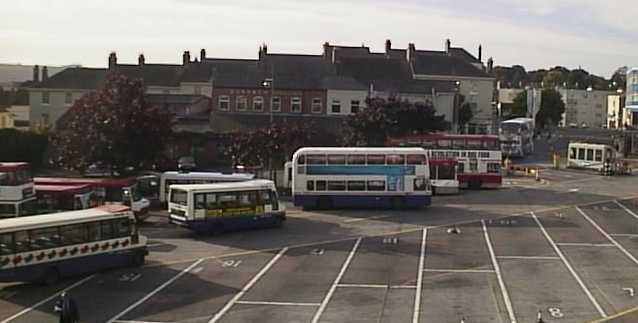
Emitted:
<point x="478" y="157"/>
<point x="16" y="189"/>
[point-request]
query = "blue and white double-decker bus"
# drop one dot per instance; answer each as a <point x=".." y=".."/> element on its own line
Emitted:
<point x="361" y="177"/>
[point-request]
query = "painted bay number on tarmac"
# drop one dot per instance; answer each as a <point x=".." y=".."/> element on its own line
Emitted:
<point x="130" y="277"/>
<point x="630" y="291"/>
<point x="555" y="312"/>
<point x="231" y="263"/>
<point x="317" y="252"/>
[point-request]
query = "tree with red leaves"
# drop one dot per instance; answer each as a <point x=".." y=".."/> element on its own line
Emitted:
<point x="114" y="127"/>
<point x="268" y="146"/>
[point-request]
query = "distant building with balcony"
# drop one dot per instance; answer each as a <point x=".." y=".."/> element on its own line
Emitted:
<point x="584" y="108"/>
<point x="617" y="118"/>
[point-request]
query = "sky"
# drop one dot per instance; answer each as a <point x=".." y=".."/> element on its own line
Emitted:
<point x="599" y="36"/>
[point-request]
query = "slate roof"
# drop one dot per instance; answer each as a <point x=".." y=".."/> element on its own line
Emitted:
<point x="297" y="71"/>
<point x="76" y="78"/>
<point x="433" y="63"/>
<point x="153" y="74"/>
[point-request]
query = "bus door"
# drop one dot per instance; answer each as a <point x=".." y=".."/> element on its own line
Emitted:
<point x="200" y="209"/>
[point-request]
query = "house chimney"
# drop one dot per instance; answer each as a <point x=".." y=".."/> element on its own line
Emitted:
<point x="36" y="74"/>
<point x="448" y="44"/>
<point x="112" y="60"/>
<point x="326" y="48"/>
<point x="411" y="52"/>
<point x="334" y="55"/>
<point x="480" y="53"/>
<point x="202" y="55"/>
<point x="263" y="51"/>
<point x="141" y="60"/>
<point x="45" y="74"/>
<point x="186" y="57"/>
<point x="490" y="65"/>
<point x="388" y="46"/>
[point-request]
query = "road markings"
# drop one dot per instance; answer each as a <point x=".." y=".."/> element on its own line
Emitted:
<point x="625" y="235"/>
<point x="376" y="217"/>
<point x="250" y="284"/>
<point x="497" y="269"/>
<point x="469" y="271"/>
<point x="632" y="213"/>
<point x="569" y="267"/>
<point x="155" y="291"/>
<point x="630" y="291"/>
<point x="583" y="244"/>
<point x="528" y="257"/>
<point x="419" y="278"/>
<point x="46" y="300"/>
<point x="124" y="321"/>
<point x="612" y="240"/>
<point x="276" y="303"/>
<point x="332" y="289"/>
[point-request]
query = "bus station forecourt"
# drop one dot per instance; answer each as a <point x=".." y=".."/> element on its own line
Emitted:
<point x="563" y="249"/>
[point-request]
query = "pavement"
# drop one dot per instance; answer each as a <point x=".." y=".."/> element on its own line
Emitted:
<point x="564" y="248"/>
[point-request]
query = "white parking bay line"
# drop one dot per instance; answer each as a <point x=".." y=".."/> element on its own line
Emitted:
<point x="528" y="257"/>
<point x="155" y="291"/>
<point x="121" y="321"/>
<point x="376" y="286"/>
<point x="499" y="277"/>
<point x="461" y="271"/>
<point x="331" y="291"/>
<point x="419" y="278"/>
<point x="632" y="213"/>
<point x="38" y="304"/>
<point x="569" y="267"/>
<point x="581" y="244"/>
<point x="250" y="284"/>
<point x="276" y="303"/>
<point x="612" y="240"/>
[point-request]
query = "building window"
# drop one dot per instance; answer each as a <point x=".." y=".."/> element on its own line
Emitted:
<point x="295" y="104"/>
<point x="316" y="105"/>
<point x="275" y="104"/>
<point x="224" y="103"/>
<point x="355" y="106"/>
<point x="198" y="90"/>
<point x="45" y="97"/>
<point x="241" y="103"/>
<point x="68" y="98"/>
<point x="336" y="106"/>
<point x="258" y="103"/>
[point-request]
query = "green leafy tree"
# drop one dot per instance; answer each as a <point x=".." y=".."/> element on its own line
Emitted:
<point x="551" y="110"/>
<point x="519" y="105"/>
<point x="382" y="117"/>
<point x="114" y="126"/>
<point x="465" y="114"/>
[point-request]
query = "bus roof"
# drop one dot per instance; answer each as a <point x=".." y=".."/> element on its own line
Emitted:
<point x="96" y="181"/>
<point x="258" y="183"/>
<point x="361" y="150"/>
<point x="62" y="218"/>
<point x="62" y="188"/>
<point x="209" y="175"/>
<point x="12" y="166"/>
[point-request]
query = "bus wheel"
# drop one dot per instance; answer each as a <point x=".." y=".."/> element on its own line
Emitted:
<point x="50" y="276"/>
<point x="324" y="203"/>
<point x="138" y="260"/>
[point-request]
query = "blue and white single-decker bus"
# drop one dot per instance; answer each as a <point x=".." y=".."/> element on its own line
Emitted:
<point x="43" y="248"/>
<point x="361" y="177"/>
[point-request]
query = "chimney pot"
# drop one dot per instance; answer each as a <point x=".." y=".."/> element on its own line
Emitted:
<point x="186" y="58"/>
<point x="480" y="53"/>
<point x="202" y="55"/>
<point x="448" y="44"/>
<point x="388" y="46"/>
<point x="411" y="52"/>
<point x="141" y="60"/>
<point x="36" y="74"/>
<point x="45" y="74"/>
<point x="326" y="48"/>
<point x="112" y="60"/>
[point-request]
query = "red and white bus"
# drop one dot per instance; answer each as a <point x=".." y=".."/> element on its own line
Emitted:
<point x="16" y="189"/>
<point x="121" y="190"/>
<point x="478" y="157"/>
<point x="58" y="198"/>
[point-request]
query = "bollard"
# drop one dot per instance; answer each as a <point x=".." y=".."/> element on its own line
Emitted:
<point x="538" y="175"/>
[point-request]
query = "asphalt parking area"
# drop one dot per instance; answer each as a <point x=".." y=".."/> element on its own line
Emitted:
<point x="572" y="265"/>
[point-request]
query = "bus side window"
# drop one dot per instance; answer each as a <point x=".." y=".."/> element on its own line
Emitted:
<point x="572" y="153"/>
<point x="94" y="232"/>
<point x="200" y="201"/>
<point x="581" y="153"/>
<point x="73" y="234"/>
<point x="6" y="244"/>
<point x="599" y="155"/>
<point x="122" y="227"/>
<point x="419" y="183"/>
<point x="211" y="201"/>
<point x="460" y="168"/>
<point x="247" y="199"/>
<point x="46" y="238"/>
<point x="22" y="243"/>
<point x="107" y="230"/>
<point x="228" y="200"/>
<point x="310" y="185"/>
<point x="264" y="197"/>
